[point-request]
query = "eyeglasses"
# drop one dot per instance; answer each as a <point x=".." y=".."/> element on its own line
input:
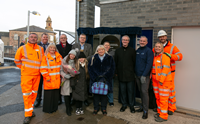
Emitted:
<point x="125" y="40"/>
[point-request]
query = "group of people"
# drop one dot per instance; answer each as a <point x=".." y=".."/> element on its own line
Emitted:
<point x="71" y="72"/>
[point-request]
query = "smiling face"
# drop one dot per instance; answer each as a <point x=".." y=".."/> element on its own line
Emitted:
<point x="63" y="39"/>
<point x="143" y="42"/>
<point x="125" y="41"/>
<point x="71" y="56"/>
<point x="82" y="60"/>
<point x="107" y="46"/>
<point x="44" y="39"/>
<point x="82" y="39"/>
<point x="32" y="39"/>
<point x="101" y="51"/>
<point x="163" y="39"/>
<point x="158" y="48"/>
<point x="52" y="50"/>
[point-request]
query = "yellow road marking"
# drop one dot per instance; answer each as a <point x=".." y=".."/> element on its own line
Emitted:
<point x="7" y="67"/>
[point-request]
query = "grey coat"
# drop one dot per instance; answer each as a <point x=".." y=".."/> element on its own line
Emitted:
<point x="80" y="92"/>
<point x="87" y="50"/>
<point x="66" y="88"/>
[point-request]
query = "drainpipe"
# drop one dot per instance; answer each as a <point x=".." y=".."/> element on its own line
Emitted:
<point x="77" y="17"/>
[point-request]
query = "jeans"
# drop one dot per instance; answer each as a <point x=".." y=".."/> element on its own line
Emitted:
<point x="110" y="95"/>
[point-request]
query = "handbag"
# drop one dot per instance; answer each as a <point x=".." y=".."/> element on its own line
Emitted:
<point x="100" y="88"/>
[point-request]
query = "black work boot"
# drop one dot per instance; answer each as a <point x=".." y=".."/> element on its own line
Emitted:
<point x="27" y="120"/>
<point x="37" y="103"/>
<point x="156" y="115"/>
<point x="170" y="113"/>
<point x="159" y="119"/>
<point x="145" y="115"/>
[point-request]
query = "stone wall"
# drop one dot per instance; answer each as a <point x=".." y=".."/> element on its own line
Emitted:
<point x="157" y="14"/>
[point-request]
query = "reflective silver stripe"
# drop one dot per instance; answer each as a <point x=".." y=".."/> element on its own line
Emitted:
<point x="43" y="66"/>
<point x="177" y="53"/>
<point x="31" y="61"/>
<point x="55" y="66"/>
<point x="17" y="60"/>
<point x="40" y="53"/>
<point x="172" y="49"/>
<point x="54" y="73"/>
<point x="166" y="66"/>
<point x="162" y="74"/>
<point x="153" y="67"/>
<point x="155" y="87"/>
<point x="18" y="63"/>
<point x="34" y="91"/>
<point x="166" y="90"/>
<point x="169" y="73"/>
<point x="173" y="64"/>
<point x="171" y="102"/>
<point x="26" y="110"/>
<point x="159" y="107"/>
<point x="171" y="97"/>
<point x="159" y="67"/>
<point x="155" y="91"/>
<point x="30" y="66"/>
<point x="27" y="94"/>
<point x="47" y="62"/>
<point x="164" y="111"/>
<point x="161" y="59"/>
<point x="44" y="72"/>
<point x="162" y="94"/>
<point x="178" y="57"/>
<point x="25" y="51"/>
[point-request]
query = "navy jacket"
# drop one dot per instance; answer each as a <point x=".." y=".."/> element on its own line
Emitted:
<point x="144" y="61"/>
<point x="106" y="68"/>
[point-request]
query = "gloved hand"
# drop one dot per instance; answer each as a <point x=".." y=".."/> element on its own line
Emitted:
<point x="143" y="79"/>
<point x="161" y="83"/>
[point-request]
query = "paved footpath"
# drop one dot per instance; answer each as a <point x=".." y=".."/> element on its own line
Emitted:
<point x="11" y="109"/>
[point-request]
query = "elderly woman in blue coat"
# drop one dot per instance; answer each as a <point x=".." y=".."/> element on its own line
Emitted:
<point x="101" y="69"/>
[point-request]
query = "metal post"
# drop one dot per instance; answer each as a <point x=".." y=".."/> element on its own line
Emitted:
<point x="77" y="19"/>
<point x="18" y="40"/>
<point x="28" y="24"/>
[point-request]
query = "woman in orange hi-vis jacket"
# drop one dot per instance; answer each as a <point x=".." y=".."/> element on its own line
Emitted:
<point x="162" y="81"/>
<point x="28" y="58"/>
<point x="50" y="70"/>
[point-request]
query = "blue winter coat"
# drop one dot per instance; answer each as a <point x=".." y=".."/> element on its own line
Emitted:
<point x="144" y="61"/>
<point x="105" y="68"/>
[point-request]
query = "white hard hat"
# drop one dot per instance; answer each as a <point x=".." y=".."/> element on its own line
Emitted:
<point x="161" y="33"/>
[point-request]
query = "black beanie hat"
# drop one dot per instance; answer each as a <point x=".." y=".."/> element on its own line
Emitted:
<point x="81" y="55"/>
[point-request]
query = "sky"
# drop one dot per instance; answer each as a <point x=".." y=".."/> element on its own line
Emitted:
<point x="14" y="14"/>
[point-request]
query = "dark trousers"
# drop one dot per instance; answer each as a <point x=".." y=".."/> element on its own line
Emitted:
<point x="39" y="94"/>
<point x="100" y="99"/>
<point x="67" y="103"/>
<point x="78" y="104"/>
<point x="143" y="88"/>
<point x="127" y="90"/>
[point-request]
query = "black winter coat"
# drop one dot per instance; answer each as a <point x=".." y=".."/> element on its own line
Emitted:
<point x="106" y="68"/>
<point x="80" y="92"/>
<point x="64" y="51"/>
<point x="125" y="63"/>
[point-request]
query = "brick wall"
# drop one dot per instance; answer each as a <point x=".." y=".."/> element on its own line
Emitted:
<point x="159" y="14"/>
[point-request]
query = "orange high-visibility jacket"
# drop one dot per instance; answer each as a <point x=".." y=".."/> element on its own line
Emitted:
<point x="161" y="70"/>
<point x="50" y="70"/>
<point x="28" y="57"/>
<point x="175" y="53"/>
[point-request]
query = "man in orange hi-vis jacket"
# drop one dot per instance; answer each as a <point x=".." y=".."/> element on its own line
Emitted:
<point x="175" y="55"/>
<point x="28" y="58"/>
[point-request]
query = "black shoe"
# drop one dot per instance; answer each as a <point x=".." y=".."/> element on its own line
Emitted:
<point x="155" y="109"/>
<point x="132" y="109"/>
<point x="27" y="120"/>
<point x="37" y="103"/>
<point x="68" y="111"/>
<point x="170" y="113"/>
<point x="33" y="114"/>
<point x="156" y="115"/>
<point x="159" y="119"/>
<point x="111" y="104"/>
<point x="104" y="112"/>
<point x="123" y="108"/>
<point x="139" y="110"/>
<point x="95" y="112"/>
<point x="86" y="103"/>
<point x="145" y="115"/>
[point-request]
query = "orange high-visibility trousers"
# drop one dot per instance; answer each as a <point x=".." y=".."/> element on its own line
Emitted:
<point x="172" y="98"/>
<point x="162" y="96"/>
<point x="29" y="85"/>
